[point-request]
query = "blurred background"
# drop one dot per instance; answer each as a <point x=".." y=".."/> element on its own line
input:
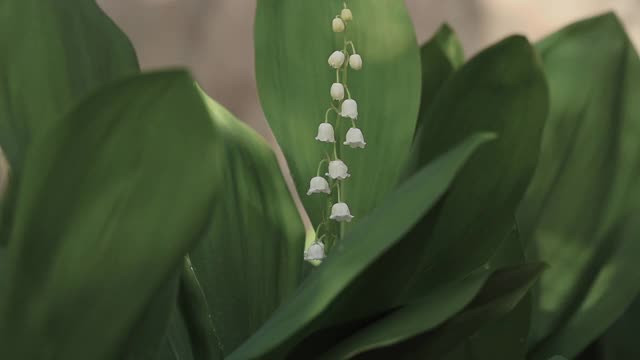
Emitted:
<point x="214" y="38"/>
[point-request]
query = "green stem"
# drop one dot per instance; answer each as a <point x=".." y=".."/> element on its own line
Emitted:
<point x="347" y="89"/>
<point x="320" y="166"/>
<point x="326" y="115"/>
<point x="352" y="46"/>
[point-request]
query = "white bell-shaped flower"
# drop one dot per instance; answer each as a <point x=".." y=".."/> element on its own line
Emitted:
<point x="340" y="212"/>
<point x="317" y="185"/>
<point x="355" y="139"/>
<point x="355" y="61"/>
<point x="346" y="15"/>
<point x="349" y="109"/>
<point x="338" y="170"/>
<point x="337" y="91"/>
<point x="325" y="133"/>
<point x="337" y="25"/>
<point x="336" y="60"/>
<point x="315" y="252"/>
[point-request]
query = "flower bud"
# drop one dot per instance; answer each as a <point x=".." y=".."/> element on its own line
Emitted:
<point x="337" y="91"/>
<point x="315" y="252"/>
<point x="355" y="61"/>
<point x="338" y="25"/>
<point x="340" y="212"/>
<point x="355" y="139"/>
<point x="325" y="133"/>
<point x="346" y="15"/>
<point x="338" y="170"/>
<point x="349" y="109"/>
<point x="318" y="185"/>
<point x="336" y="60"/>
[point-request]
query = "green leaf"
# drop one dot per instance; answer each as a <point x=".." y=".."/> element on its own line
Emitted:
<point x="293" y="40"/>
<point x="502" y="90"/>
<point x="111" y="199"/>
<point x="502" y="293"/>
<point x="504" y="338"/>
<point x="580" y="212"/>
<point x="250" y="258"/>
<point x="621" y="340"/>
<point x="54" y="53"/>
<point x="441" y="56"/>
<point x="177" y="343"/>
<point x="148" y="335"/>
<point x="368" y="241"/>
<point x="413" y="319"/>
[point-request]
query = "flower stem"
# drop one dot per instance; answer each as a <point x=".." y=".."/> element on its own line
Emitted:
<point x="352" y="46"/>
<point x="320" y="166"/>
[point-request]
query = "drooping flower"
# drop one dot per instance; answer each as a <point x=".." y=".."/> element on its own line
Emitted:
<point x="340" y="212"/>
<point x="336" y="60"/>
<point x="338" y="170"/>
<point x="350" y="109"/>
<point x="317" y="185"/>
<point x="355" y="139"/>
<point x="337" y="25"/>
<point x="325" y="133"/>
<point x="337" y="91"/>
<point x="315" y="252"/>
<point x="346" y="15"/>
<point x="355" y="61"/>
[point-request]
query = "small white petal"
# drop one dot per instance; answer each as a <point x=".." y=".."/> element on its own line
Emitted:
<point x="337" y="91"/>
<point x="355" y="139"/>
<point x="337" y="25"/>
<point x="315" y="252"/>
<point x="325" y="133"/>
<point x="355" y="61"/>
<point x="350" y="109"/>
<point x="317" y="185"/>
<point x="338" y="170"/>
<point x="340" y="212"/>
<point x="336" y="60"/>
<point x="346" y="15"/>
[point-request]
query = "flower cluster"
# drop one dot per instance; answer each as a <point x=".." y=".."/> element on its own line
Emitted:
<point x="344" y="107"/>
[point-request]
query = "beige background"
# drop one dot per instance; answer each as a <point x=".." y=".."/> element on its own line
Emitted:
<point x="214" y="37"/>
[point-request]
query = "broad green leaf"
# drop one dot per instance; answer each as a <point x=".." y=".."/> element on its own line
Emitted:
<point x="148" y="336"/>
<point x="293" y="40"/>
<point x="581" y="208"/>
<point x="177" y="343"/>
<point x="596" y="302"/>
<point x="368" y="241"/>
<point x="441" y="56"/>
<point x="53" y="53"/>
<point x="502" y="90"/>
<point x="504" y="338"/>
<point x="502" y="293"/>
<point x="413" y="319"/>
<point x="621" y="339"/>
<point x="110" y="200"/>
<point x="251" y="256"/>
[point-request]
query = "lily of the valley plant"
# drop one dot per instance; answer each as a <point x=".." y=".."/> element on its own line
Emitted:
<point x="142" y="220"/>
<point x="337" y="170"/>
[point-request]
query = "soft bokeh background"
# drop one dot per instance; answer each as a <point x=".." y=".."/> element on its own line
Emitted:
<point x="214" y="37"/>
